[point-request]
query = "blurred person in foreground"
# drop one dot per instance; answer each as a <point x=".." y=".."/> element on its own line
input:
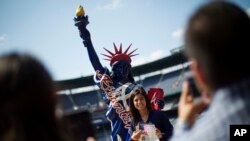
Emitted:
<point x="216" y="43"/>
<point x="28" y="101"/>
<point x="143" y="114"/>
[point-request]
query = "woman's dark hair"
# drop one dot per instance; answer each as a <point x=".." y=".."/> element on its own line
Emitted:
<point x="133" y="111"/>
<point x="27" y="100"/>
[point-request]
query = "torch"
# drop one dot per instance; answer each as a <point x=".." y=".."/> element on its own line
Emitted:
<point x="81" y="21"/>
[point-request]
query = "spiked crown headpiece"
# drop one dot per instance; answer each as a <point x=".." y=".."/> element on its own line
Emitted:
<point x="118" y="55"/>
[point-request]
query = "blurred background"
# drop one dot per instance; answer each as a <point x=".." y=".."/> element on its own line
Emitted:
<point x="46" y="29"/>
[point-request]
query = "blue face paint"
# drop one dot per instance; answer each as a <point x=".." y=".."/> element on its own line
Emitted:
<point x="120" y="71"/>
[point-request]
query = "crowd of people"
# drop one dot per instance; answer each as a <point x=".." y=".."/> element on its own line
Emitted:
<point x="216" y="44"/>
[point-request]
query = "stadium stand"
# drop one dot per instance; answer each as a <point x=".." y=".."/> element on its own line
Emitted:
<point x="66" y="103"/>
<point x="166" y="73"/>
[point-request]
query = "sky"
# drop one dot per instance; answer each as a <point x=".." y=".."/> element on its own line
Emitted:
<point x="45" y="29"/>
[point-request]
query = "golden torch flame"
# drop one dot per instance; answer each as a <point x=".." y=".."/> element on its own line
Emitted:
<point x="80" y="11"/>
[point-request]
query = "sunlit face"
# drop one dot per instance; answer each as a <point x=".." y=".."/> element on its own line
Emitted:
<point x="140" y="102"/>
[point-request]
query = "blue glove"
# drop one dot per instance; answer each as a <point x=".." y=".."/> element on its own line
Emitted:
<point x="160" y="104"/>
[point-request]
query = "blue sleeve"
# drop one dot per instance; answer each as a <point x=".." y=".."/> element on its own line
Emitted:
<point x="167" y="127"/>
<point x="99" y="78"/>
<point x="81" y="23"/>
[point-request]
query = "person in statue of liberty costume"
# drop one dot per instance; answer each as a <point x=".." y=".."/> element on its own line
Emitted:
<point x="117" y="85"/>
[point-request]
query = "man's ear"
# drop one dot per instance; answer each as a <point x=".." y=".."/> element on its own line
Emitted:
<point x="200" y="78"/>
